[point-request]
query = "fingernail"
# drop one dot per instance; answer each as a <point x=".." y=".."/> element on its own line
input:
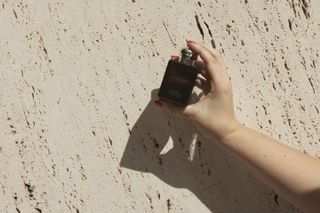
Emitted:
<point x="190" y="41"/>
<point x="174" y="58"/>
<point x="158" y="103"/>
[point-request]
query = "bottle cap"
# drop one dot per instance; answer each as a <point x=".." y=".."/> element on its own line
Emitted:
<point x="186" y="52"/>
<point x="186" y="56"/>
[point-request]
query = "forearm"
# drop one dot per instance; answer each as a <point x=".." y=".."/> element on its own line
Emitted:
<point x="293" y="175"/>
<point x="290" y="173"/>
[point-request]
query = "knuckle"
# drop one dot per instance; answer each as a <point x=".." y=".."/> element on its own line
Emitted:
<point x="216" y="54"/>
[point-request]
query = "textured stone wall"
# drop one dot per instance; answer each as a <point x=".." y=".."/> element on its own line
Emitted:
<point x="79" y="131"/>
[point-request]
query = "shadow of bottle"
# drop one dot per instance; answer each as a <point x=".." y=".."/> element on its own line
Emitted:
<point x="201" y="175"/>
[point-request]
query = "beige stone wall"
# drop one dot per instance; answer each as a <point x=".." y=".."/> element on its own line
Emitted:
<point x="79" y="132"/>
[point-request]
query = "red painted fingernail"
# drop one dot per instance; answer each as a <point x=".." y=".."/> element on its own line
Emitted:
<point x="158" y="103"/>
<point x="190" y="41"/>
<point x="174" y="58"/>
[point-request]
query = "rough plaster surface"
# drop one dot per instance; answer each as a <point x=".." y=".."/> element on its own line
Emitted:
<point x="79" y="132"/>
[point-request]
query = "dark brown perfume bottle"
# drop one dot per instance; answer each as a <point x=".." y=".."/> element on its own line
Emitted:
<point x="179" y="79"/>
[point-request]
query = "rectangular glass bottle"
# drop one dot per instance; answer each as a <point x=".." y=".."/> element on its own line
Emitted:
<point x="179" y="80"/>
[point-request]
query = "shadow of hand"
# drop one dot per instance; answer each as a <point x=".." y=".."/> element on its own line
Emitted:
<point x="151" y="133"/>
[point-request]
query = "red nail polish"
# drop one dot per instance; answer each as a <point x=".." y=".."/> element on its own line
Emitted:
<point x="190" y="41"/>
<point x="174" y="58"/>
<point x="158" y="103"/>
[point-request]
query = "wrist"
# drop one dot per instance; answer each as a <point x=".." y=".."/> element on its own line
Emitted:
<point x="234" y="128"/>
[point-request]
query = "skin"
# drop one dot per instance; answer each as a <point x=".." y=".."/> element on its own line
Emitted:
<point x="295" y="176"/>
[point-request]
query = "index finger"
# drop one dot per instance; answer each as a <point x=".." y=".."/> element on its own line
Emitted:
<point x="211" y="63"/>
<point x="201" y="51"/>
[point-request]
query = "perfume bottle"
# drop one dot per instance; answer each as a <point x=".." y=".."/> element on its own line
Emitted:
<point x="179" y="79"/>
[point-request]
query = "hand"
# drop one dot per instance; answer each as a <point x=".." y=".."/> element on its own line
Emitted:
<point x="213" y="113"/>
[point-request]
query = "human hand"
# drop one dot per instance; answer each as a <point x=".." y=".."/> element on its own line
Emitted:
<point x="214" y="112"/>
